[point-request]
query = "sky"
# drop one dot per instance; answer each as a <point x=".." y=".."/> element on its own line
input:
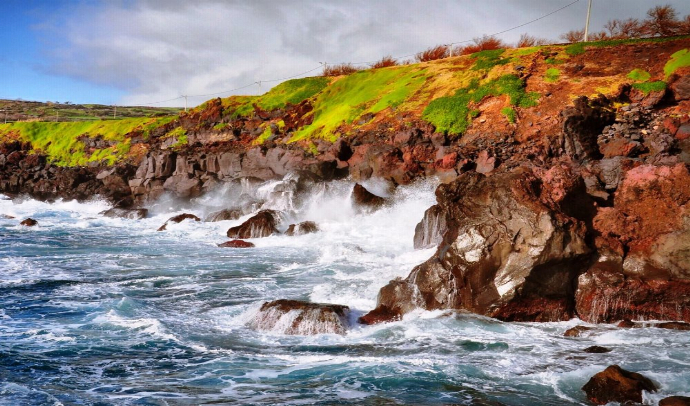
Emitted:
<point x="149" y="52"/>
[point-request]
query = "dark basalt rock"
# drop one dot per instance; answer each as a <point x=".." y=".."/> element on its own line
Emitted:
<point x="305" y="227"/>
<point x="576" y="331"/>
<point x="29" y="222"/>
<point x="615" y="384"/>
<point x="364" y="200"/>
<point x="595" y="349"/>
<point x="262" y="224"/>
<point x="225" y="214"/>
<point x="295" y="317"/>
<point x="236" y="244"/>
<point x="133" y="214"/>
<point x="177" y="219"/>
<point x="674" y="325"/>
<point x="675" y="401"/>
<point x="429" y="232"/>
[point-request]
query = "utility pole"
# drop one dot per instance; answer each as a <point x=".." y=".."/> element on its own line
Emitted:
<point x="185" y="102"/>
<point x="114" y="111"/>
<point x="589" y="11"/>
<point x="57" y="115"/>
<point x="450" y="49"/>
<point x="259" y="83"/>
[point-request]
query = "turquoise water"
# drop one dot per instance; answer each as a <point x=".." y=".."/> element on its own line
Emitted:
<point x="99" y="311"/>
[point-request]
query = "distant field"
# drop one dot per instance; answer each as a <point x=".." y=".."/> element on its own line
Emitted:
<point x="18" y="110"/>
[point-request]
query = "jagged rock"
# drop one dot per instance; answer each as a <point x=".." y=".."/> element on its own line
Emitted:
<point x="582" y="123"/>
<point x="296" y="317"/>
<point x="364" y="200"/>
<point x="680" y="87"/>
<point x="615" y="384"/>
<point x="302" y="228"/>
<point x="675" y="401"/>
<point x="674" y="325"/>
<point x="177" y="219"/>
<point x="510" y="252"/>
<point x="236" y="244"/>
<point x="429" y="232"/>
<point x="595" y="349"/>
<point x="133" y="214"/>
<point x="576" y="331"/>
<point x="225" y="214"/>
<point x="29" y="222"/>
<point x="485" y="163"/>
<point x="262" y="224"/>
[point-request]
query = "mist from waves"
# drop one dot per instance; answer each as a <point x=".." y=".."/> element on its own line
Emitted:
<point x="96" y="310"/>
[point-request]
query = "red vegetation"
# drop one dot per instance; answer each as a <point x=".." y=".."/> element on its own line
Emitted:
<point x="337" y="70"/>
<point x="432" y="54"/>
<point x="384" y="62"/>
<point x="482" y="44"/>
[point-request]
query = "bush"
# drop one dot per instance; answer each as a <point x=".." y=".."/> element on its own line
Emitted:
<point x="432" y="54"/>
<point x="481" y="44"/>
<point x="527" y="41"/>
<point x="573" y="36"/>
<point x="385" y="62"/>
<point x="338" y="70"/>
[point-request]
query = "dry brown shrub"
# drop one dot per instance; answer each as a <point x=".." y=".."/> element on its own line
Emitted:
<point x="661" y="21"/>
<point x="573" y="36"/>
<point x="338" y="70"/>
<point x="623" y="29"/>
<point x="527" y="40"/>
<point x="432" y="54"/>
<point x="482" y="44"/>
<point x="384" y="62"/>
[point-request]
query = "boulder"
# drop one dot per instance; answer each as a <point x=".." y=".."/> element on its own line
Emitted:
<point x="29" y="222"/>
<point x="295" y="317"/>
<point x="179" y="218"/>
<point x="133" y="214"/>
<point x="6" y="216"/>
<point x="225" y="214"/>
<point x="675" y="401"/>
<point x="595" y="349"/>
<point x="305" y="227"/>
<point x="614" y="384"/>
<point x="680" y="87"/>
<point x="674" y="325"/>
<point x="236" y="244"/>
<point x="510" y="252"/>
<point x="364" y="200"/>
<point x="262" y="224"/>
<point x="429" y="232"/>
<point x="576" y="331"/>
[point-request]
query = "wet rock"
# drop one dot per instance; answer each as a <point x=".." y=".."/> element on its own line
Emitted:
<point x="675" y="401"/>
<point x="296" y="317"/>
<point x="133" y="214"/>
<point x="236" y="244"/>
<point x="615" y="384"/>
<point x="510" y="252"/>
<point x="262" y="224"/>
<point x="305" y="227"/>
<point x="29" y="222"/>
<point x="674" y="325"/>
<point x="225" y="214"/>
<point x="595" y="349"/>
<point x="429" y="232"/>
<point x="626" y="324"/>
<point x="177" y="219"/>
<point x="6" y="216"/>
<point x="576" y="331"/>
<point x="364" y="200"/>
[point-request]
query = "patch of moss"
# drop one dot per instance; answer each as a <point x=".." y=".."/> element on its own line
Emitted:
<point x="264" y="136"/>
<point x="575" y="49"/>
<point x="639" y="75"/>
<point x="526" y="51"/>
<point x="650" y="86"/>
<point x="452" y="114"/>
<point x="552" y="75"/>
<point x="181" y="140"/>
<point x="510" y="114"/>
<point x="220" y="126"/>
<point x="176" y="132"/>
<point x="554" y="61"/>
<point x="311" y="147"/>
<point x="485" y="60"/>
<point x="680" y="59"/>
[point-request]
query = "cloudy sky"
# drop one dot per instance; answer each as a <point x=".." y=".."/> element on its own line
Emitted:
<point x="147" y="51"/>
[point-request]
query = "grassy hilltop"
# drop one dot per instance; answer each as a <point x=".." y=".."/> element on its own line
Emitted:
<point x="466" y="97"/>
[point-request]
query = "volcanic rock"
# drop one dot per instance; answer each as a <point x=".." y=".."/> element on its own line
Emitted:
<point x="576" y="331"/>
<point x="595" y="349"/>
<point x="302" y="228"/>
<point x="364" y="200"/>
<point x="615" y="384"/>
<point x="29" y="222"/>
<point x="674" y="325"/>
<point x="675" y="401"/>
<point x="262" y="224"/>
<point x="236" y="244"/>
<point x="429" y="232"/>
<point x="225" y="214"/>
<point x="133" y="214"/>
<point x="296" y="317"/>
<point x="177" y="219"/>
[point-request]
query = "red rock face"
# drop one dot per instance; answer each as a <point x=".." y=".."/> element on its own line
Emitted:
<point x="615" y="384"/>
<point x="236" y="244"/>
<point x="262" y="224"/>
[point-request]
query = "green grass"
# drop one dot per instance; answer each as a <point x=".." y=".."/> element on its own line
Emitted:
<point x="510" y="114"/>
<point x="526" y="51"/>
<point x="650" y="86"/>
<point x="552" y="75"/>
<point x="639" y="75"/>
<point x="369" y="91"/>
<point x="554" y="61"/>
<point x="485" y="60"/>
<point x="264" y="136"/>
<point x="680" y="59"/>
<point x="453" y="115"/>
<point x="575" y="49"/>
<point x="59" y="141"/>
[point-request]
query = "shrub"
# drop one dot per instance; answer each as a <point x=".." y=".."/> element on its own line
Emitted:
<point x="481" y="44"/>
<point x="661" y="21"/>
<point x="573" y="36"/>
<point x="526" y="41"/>
<point x="623" y="29"/>
<point x="384" y="62"/>
<point x="432" y="54"/>
<point x="338" y="70"/>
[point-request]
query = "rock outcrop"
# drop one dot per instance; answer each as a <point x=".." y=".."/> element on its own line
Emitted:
<point x="294" y="317"/>
<point x="225" y="214"/>
<point x="364" y="200"/>
<point x="305" y="227"/>
<point x="132" y="214"/>
<point x="236" y="244"/>
<point x="262" y="224"/>
<point x="614" y="384"/>
<point x="29" y="222"/>
<point x="429" y="232"/>
<point x="178" y="219"/>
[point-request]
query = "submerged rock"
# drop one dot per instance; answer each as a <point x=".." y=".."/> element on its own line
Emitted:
<point x="305" y="227"/>
<point x="225" y="214"/>
<point x="595" y="349"/>
<point x="615" y="384"/>
<point x="364" y="200"/>
<point x="177" y="219"/>
<point x="133" y="214"/>
<point x="236" y="244"/>
<point x="29" y="222"/>
<point x="262" y="224"/>
<point x="295" y="317"/>
<point x="429" y="232"/>
<point x="6" y="216"/>
<point x="576" y="331"/>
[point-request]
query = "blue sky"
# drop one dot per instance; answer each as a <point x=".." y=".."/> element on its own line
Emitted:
<point x="146" y="51"/>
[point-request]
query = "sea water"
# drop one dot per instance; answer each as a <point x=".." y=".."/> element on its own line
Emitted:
<point x="103" y="311"/>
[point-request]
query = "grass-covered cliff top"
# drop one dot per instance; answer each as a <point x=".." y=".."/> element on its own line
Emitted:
<point x="508" y="89"/>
